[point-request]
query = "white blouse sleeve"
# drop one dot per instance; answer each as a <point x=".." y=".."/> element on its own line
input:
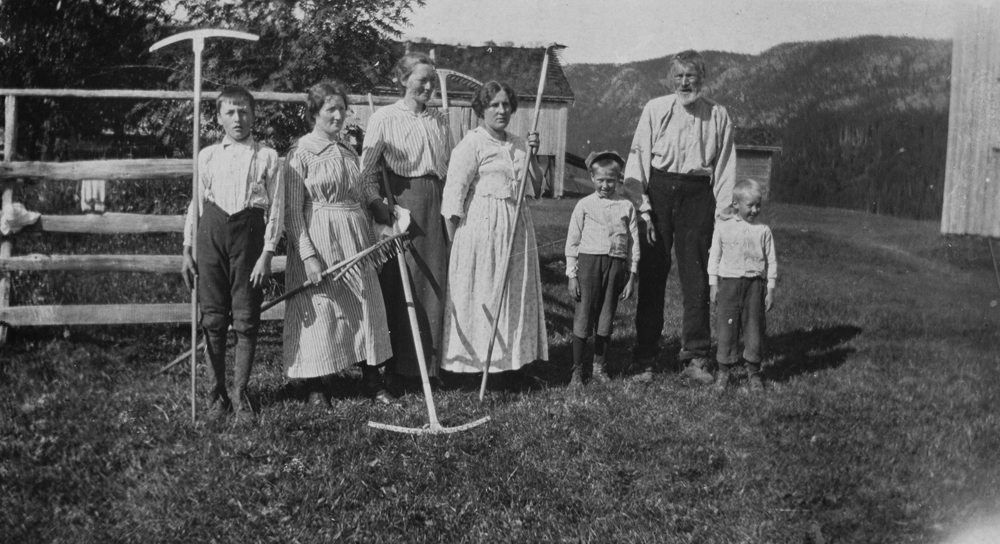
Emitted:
<point x="463" y="169"/>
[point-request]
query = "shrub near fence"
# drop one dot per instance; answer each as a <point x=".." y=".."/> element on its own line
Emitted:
<point x="144" y="171"/>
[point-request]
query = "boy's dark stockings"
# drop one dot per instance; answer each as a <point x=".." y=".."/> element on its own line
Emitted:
<point x="246" y="348"/>
<point x="215" y="341"/>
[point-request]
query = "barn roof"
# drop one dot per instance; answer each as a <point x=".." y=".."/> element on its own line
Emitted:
<point x="518" y="66"/>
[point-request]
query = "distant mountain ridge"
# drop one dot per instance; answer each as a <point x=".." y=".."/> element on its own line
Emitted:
<point x="854" y="116"/>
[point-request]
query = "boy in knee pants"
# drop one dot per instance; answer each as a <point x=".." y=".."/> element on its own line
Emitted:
<point x="602" y="260"/>
<point x="742" y="271"/>
<point x="240" y="209"/>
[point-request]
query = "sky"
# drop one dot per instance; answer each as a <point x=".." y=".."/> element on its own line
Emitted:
<point x="617" y="31"/>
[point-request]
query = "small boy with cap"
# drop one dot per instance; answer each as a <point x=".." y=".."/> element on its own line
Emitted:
<point x="602" y="261"/>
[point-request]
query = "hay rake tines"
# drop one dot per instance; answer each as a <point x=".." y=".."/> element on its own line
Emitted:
<point x="375" y="256"/>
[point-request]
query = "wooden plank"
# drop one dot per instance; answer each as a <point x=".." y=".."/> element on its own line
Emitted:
<point x="7" y="189"/>
<point x="383" y="100"/>
<point x="109" y="223"/>
<point x="106" y="170"/>
<point x="154" y="264"/>
<point x="108" y="314"/>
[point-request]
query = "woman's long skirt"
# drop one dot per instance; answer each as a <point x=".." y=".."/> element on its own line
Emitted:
<point x="427" y="259"/>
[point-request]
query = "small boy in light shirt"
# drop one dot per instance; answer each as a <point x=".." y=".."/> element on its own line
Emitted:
<point x="241" y="204"/>
<point x="742" y="271"/>
<point x="602" y="262"/>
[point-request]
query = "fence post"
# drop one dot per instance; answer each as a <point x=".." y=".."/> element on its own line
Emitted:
<point x="7" y="243"/>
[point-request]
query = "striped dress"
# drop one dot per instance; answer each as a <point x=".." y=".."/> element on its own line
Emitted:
<point x="336" y="324"/>
<point x="416" y="147"/>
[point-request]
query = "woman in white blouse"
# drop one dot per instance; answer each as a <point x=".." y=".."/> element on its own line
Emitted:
<point x="479" y="202"/>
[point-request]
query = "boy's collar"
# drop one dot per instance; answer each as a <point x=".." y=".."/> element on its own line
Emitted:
<point x="227" y="141"/>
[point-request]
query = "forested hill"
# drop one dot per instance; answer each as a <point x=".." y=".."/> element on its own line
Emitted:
<point x="862" y="122"/>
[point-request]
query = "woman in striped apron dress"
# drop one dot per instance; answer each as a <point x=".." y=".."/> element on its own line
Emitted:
<point x="413" y="141"/>
<point x="335" y="324"/>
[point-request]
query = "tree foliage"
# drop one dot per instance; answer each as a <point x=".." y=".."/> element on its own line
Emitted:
<point x="301" y="43"/>
<point x="104" y="44"/>
<point x="76" y="44"/>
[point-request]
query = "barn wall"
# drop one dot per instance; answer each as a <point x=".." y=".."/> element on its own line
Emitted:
<point x="972" y="173"/>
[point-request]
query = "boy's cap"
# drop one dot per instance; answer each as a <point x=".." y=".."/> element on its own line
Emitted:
<point x="606" y="154"/>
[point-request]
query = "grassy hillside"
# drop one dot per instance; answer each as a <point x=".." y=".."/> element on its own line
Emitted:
<point x="862" y="122"/>
<point x="879" y="425"/>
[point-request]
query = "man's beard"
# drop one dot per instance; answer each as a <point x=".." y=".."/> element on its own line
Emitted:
<point x="688" y="98"/>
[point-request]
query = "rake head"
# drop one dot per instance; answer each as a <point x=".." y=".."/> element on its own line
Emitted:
<point x="430" y="428"/>
<point x="555" y="64"/>
<point x="469" y="82"/>
<point x="375" y="256"/>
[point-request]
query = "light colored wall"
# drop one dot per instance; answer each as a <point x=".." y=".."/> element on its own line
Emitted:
<point x="972" y="173"/>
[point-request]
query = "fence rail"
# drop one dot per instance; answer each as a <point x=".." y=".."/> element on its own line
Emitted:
<point x="152" y="264"/>
<point x="106" y="170"/>
<point x="107" y="314"/>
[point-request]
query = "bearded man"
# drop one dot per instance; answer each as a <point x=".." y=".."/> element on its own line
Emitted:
<point x="681" y="169"/>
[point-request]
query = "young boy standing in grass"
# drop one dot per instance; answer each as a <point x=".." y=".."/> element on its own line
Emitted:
<point x="602" y="261"/>
<point x="240" y="210"/>
<point x="742" y="271"/>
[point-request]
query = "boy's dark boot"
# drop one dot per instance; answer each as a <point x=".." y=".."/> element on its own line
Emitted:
<point x="600" y="373"/>
<point x="722" y="377"/>
<point x="246" y="348"/>
<point x="754" y="379"/>
<point x="218" y="398"/>
<point x="576" y="378"/>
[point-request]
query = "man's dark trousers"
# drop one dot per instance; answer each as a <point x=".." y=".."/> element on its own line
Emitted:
<point x="684" y="216"/>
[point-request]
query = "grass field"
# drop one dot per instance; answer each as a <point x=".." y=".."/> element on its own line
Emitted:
<point x="880" y="424"/>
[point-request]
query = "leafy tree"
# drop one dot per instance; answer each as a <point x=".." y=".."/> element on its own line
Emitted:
<point x="104" y="44"/>
<point x="301" y="43"/>
<point x="77" y="44"/>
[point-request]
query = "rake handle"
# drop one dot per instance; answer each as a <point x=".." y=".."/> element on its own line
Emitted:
<point x="411" y="311"/>
<point x="501" y="294"/>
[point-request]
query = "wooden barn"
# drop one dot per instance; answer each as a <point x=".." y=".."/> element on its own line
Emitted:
<point x="518" y="66"/>
<point x="972" y="172"/>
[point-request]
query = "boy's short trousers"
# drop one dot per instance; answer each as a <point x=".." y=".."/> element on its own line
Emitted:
<point x="741" y="309"/>
<point x="602" y="280"/>
<point x="228" y="248"/>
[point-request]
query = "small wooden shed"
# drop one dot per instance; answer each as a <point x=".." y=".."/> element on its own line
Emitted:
<point x="521" y="68"/>
<point x="972" y="171"/>
<point x="756" y="162"/>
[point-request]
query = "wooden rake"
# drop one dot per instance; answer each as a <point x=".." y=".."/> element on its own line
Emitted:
<point x="553" y="51"/>
<point x="432" y="426"/>
<point x="350" y="268"/>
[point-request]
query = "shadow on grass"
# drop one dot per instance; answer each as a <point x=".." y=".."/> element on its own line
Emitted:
<point x="809" y="350"/>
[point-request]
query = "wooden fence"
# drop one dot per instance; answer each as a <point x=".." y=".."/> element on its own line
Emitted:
<point x="13" y="172"/>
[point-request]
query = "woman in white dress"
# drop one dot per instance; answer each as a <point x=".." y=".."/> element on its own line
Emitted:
<point x="479" y="201"/>
<point x="334" y="324"/>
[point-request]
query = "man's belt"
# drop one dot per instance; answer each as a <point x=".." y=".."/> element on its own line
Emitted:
<point x="673" y="176"/>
